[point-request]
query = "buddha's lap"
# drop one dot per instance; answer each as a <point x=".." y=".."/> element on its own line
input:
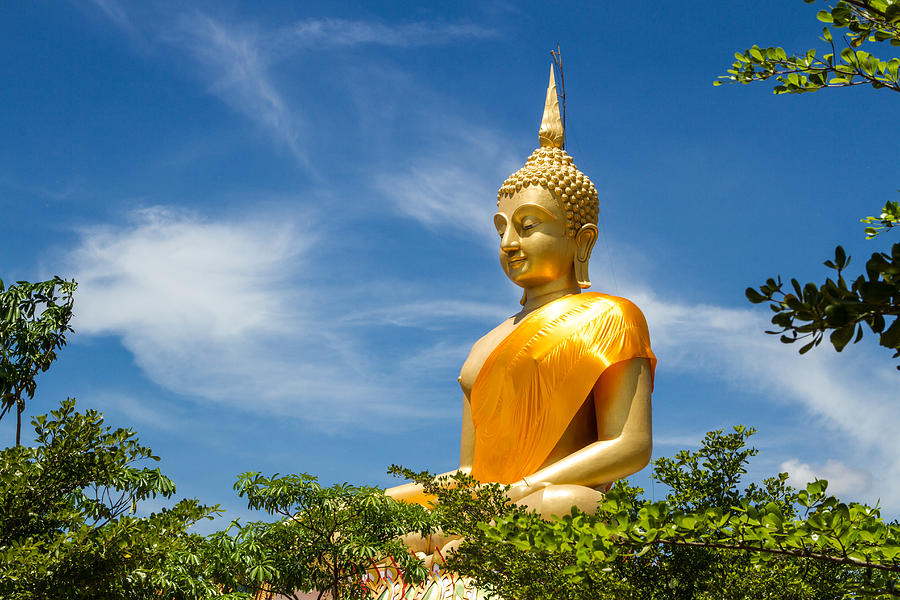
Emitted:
<point x="558" y="500"/>
<point x="553" y="500"/>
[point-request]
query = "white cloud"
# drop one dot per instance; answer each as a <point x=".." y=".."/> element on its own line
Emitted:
<point x="174" y="272"/>
<point x="225" y="311"/>
<point x="842" y="478"/>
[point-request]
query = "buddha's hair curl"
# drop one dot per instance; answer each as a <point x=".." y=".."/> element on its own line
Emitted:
<point x="554" y="170"/>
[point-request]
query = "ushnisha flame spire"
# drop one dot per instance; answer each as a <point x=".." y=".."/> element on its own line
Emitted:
<point x="553" y="169"/>
<point x="552" y="134"/>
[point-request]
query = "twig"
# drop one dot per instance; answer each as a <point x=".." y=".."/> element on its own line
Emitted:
<point x="557" y="59"/>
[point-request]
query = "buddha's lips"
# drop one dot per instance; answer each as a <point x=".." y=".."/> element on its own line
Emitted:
<point x="515" y="262"/>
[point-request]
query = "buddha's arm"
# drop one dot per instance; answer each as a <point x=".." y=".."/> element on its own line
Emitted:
<point x="467" y="437"/>
<point x="624" y="445"/>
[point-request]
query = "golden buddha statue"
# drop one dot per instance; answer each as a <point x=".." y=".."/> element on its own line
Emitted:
<point x="556" y="399"/>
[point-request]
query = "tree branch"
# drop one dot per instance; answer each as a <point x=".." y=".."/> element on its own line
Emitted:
<point x="845" y="560"/>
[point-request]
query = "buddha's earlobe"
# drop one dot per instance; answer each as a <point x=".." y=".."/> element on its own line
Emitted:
<point x="584" y="243"/>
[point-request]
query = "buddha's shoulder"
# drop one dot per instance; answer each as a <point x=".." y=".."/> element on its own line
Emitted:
<point x="615" y="305"/>
<point x="480" y="351"/>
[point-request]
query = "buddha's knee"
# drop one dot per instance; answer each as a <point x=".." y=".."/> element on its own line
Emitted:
<point x="558" y="500"/>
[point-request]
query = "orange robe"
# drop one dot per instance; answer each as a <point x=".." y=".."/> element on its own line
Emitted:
<point x="537" y="378"/>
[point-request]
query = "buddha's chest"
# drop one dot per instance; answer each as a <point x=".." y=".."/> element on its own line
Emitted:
<point x="480" y="353"/>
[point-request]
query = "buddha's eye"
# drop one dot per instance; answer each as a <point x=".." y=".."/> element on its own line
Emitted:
<point x="529" y="224"/>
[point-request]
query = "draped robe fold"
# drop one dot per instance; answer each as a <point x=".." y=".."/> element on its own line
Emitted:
<point x="537" y="378"/>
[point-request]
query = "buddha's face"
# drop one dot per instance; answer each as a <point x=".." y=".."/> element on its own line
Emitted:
<point x="534" y="247"/>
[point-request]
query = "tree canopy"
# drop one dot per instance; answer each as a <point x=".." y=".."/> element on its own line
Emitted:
<point x="69" y="517"/>
<point x="34" y="320"/>
<point x="324" y="540"/>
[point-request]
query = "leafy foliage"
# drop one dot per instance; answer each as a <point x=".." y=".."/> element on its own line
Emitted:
<point x="888" y="219"/>
<point x="866" y="22"/>
<point x="807" y="312"/>
<point x="34" y="320"/>
<point x="325" y="540"/>
<point x="708" y="539"/>
<point x="68" y="522"/>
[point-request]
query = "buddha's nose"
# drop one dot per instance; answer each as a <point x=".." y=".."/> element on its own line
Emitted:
<point x="510" y="241"/>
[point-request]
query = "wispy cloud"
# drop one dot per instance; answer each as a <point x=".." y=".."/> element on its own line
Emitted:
<point x="238" y="72"/>
<point x="680" y="441"/>
<point x="240" y="59"/>
<point x="454" y="186"/>
<point x="116" y="13"/>
<point x="138" y="412"/>
<point x="445" y="196"/>
<point x="59" y="193"/>
<point x="427" y="314"/>
<point x="237" y="59"/>
<point x="843" y="391"/>
<point x="331" y="33"/>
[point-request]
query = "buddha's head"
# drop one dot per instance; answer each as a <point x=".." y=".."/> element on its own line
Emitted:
<point x="547" y="212"/>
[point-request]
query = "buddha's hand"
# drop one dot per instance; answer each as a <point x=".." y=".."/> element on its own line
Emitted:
<point x="523" y="488"/>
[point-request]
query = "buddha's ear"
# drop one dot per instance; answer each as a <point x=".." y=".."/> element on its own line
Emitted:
<point x="584" y="243"/>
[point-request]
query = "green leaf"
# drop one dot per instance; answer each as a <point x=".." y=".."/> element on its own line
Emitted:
<point x="840" y="257"/>
<point x="891" y="336"/>
<point x="754" y="296"/>
<point x="892" y="13"/>
<point x="841" y="336"/>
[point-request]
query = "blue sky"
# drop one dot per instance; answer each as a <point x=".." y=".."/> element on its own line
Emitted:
<point x="279" y="216"/>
